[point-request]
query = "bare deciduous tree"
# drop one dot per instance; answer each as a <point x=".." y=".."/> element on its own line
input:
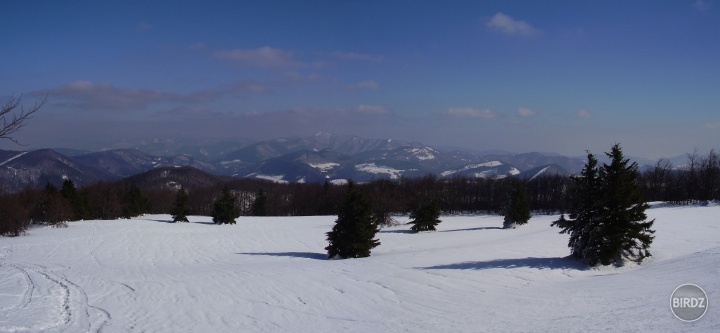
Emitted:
<point x="13" y="119"/>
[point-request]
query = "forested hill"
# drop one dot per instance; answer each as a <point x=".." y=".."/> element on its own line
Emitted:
<point x="318" y="158"/>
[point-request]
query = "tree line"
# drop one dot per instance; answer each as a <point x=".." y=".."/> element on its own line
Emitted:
<point x="606" y="222"/>
<point x="697" y="180"/>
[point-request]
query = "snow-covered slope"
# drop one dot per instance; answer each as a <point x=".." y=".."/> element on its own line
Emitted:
<point x="36" y="168"/>
<point x="271" y="275"/>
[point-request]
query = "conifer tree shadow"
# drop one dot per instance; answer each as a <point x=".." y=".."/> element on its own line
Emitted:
<point x="530" y="262"/>
<point x="205" y="222"/>
<point x="471" y="229"/>
<point x="403" y="231"/>
<point x="173" y="222"/>
<point x="306" y="255"/>
<point x="161" y="221"/>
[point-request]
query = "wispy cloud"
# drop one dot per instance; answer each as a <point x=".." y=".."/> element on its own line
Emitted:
<point x="143" y="26"/>
<point x="261" y="57"/>
<point x="184" y="111"/>
<point x="360" y="110"/>
<point x="715" y="125"/>
<point x="87" y="95"/>
<point x="370" y="110"/>
<point x="701" y="5"/>
<point x="301" y="77"/>
<point x="505" y="24"/>
<point x="364" y="85"/>
<point x="525" y="112"/>
<point x="197" y="46"/>
<point x="246" y="87"/>
<point x="582" y="113"/>
<point x="470" y="113"/>
<point x="357" y="56"/>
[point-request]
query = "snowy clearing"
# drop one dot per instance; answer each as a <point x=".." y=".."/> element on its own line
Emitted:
<point x="275" y="179"/>
<point x="270" y="275"/>
<point x="376" y="169"/>
<point x="324" y="167"/>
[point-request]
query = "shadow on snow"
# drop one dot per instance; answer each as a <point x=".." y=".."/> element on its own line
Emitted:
<point x="530" y="262"/>
<point x="161" y="221"/>
<point x="408" y="231"/>
<point x="453" y="230"/>
<point x="307" y="255"/>
<point x="171" y="221"/>
<point x="470" y="229"/>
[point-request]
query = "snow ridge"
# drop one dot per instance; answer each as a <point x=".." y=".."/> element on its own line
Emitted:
<point x="473" y="166"/>
<point x="12" y="158"/>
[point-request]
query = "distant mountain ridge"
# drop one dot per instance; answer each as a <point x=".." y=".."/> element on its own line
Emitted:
<point x="316" y="158"/>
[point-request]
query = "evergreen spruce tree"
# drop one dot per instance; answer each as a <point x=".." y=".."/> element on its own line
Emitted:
<point x="134" y="202"/>
<point x="51" y="208"/>
<point x="425" y="217"/>
<point x="584" y="214"/>
<point x="517" y="208"/>
<point x="354" y="230"/>
<point x="607" y="213"/>
<point x="259" y="205"/>
<point x="79" y="203"/>
<point x="225" y="209"/>
<point x="626" y="233"/>
<point x="179" y="211"/>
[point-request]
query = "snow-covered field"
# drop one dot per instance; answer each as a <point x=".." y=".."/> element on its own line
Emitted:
<point x="270" y="275"/>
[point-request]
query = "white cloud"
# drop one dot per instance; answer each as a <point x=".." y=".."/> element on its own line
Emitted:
<point x="471" y="113"/>
<point x="364" y="85"/>
<point x="251" y="114"/>
<point x="297" y="76"/>
<point x="261" y="57"/>
<point x="701" y="5"/>
<point x="525" y="112"/>
<point x="371" y="110"/>
<point x="357" y="56"/>
<point x="508" y="25"/>
<point x="582" y="113"/>
<point x="184" y="111"/>
<point x="304" y="113"/>
<point x="715" y="125"/>
<point x="143" y="26"/>
<point x="89" y="96"/>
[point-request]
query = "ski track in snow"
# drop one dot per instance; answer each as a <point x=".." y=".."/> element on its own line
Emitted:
<point x="271" y="275"/>
<point x="50" y="303"/>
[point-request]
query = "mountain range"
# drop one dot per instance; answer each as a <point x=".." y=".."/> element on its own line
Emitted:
<point x="316" y="158"/>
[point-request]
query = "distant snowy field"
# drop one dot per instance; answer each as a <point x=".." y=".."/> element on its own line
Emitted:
<point x="270" y="275"/>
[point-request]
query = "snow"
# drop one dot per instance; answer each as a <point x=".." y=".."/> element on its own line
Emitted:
<point x="273" y="178"/>
<point x="225" y="163"/>
<point x="269" y="274"/>
<point x="339" y="181"/>
<point x="490" y="164"/>
<point x="375" y="169"/>
<point x="539" y="173"/>
<point x="12" y="158"/>
<point x="486" y="173"/>
<point x="423" y="154"/>
<point x="324" y="167"/>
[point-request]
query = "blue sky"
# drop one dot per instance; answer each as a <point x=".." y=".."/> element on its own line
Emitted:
<point x="554" y="76"/>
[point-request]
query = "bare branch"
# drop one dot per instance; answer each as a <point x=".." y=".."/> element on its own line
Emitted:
<point x="14" y="121"/>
